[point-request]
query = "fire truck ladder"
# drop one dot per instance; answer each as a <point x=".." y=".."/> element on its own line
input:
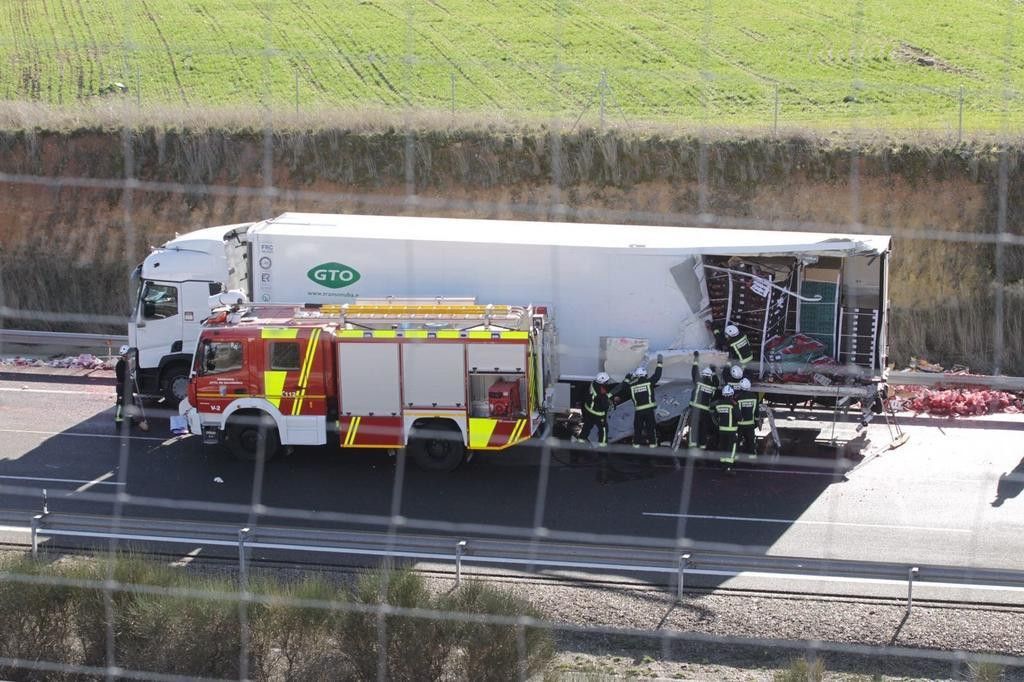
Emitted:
<point x="367" y="315"/>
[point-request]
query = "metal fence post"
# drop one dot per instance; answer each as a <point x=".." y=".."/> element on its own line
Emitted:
<point x="36" y="521"/>
<point x="460" y="548"/>
<point x="243" y="576"/>
<point x="453" y="93"/>
<point x="684" y="561"/>
<point x="911" y="574"/>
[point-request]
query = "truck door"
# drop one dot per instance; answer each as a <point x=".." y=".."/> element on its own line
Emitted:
<point x="224" y="373"/>
<point x="158" y="322"/>
<point x="294" y="382"/>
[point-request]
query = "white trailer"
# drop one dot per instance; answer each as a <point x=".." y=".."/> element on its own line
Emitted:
<point x="619" y="292"/>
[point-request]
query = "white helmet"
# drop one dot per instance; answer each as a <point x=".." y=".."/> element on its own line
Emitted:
<point x="602" y="378"/>
<point x="123" y="349"/>
<point x="640" y="372"/>
<point x="727" y="391"/>
<point x="732" y="330"/>
<point x="706" y="372"/>
<point x="736" y="372"/>
<point x="745" y="384"/>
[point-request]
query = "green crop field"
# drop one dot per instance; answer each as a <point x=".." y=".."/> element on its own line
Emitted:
<point x="927" y="64"/>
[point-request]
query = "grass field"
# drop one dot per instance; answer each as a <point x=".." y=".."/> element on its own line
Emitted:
<point x="875" y="63"/>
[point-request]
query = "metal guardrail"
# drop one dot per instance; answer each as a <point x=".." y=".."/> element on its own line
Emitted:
<point x="896" y="377"/>
<point x="529" y="554"/>
<point x="69" y="339"/>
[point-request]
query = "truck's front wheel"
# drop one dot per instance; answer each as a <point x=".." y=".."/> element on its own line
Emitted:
<point x="437" y="446"/>
<point x="250" y="433"/>
<point x="174" y="384"/>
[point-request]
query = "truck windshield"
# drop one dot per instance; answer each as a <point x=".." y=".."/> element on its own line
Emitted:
<point x="159" y="301"/>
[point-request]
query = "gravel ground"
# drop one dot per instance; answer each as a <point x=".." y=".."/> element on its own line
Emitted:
<point x="876" y="623"/>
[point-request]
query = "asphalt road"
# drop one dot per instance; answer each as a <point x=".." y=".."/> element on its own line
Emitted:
<point x="950" y="496"/>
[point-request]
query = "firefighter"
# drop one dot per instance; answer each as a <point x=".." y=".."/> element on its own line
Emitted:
<point x="723" y="413"/>
<point x="595" y="410"/>
<point x="641" y="392"/>
<point x="705" y="390"/>
<point x="737" y="345"/>
<point x="746" y="406"/>
<point x="732" y="375"/>
<point x="120" y="377"/>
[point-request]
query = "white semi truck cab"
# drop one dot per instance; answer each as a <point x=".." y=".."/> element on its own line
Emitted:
<point x="171" y="290"/>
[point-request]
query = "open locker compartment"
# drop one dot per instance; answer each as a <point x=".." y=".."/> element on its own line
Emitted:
<point x="497" y="380"/>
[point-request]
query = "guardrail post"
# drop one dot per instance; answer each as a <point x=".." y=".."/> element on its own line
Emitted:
<point x="684" y="561"/>
<point x="36" y="522"/>
<point x="243" y="576"/>
<point x="46" y="506"/>
<point x="460" y="548"/>
<point x="911" y="574"/>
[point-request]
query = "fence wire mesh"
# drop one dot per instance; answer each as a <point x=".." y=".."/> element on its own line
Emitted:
<point x="116" y="142"/>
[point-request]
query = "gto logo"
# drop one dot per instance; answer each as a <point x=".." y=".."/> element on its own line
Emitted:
<point x="333" y="275"/>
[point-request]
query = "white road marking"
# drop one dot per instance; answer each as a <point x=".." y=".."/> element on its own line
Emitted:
<point x="87" y="435"/>
<point x="98" y="481"/>
<point x="57" y="391"/>
<point x="789" y="522"/>
<point x="830" y="474"/>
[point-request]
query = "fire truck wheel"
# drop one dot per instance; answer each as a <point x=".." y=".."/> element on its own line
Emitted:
<point x="247" y="433"/>
<point x="437" y="447"/>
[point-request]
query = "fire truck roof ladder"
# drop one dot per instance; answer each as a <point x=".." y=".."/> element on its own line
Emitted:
<point x="501" y="315"/>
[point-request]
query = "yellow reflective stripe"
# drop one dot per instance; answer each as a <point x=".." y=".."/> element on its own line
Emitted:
<point x="415" y="334"/>
<point x="279" y="333"/>
<point x="480" y="431"/>
<point x="349" y="333"/>
<point x="384" y="333"/>
<point x="515" y="335"/>
<point x="477" y="334"/>
<point x="307" y="364"/>
<point x="518" y="431"/>
<point x="353" y="426"/>
<point x="273" y="385"/>
<point x="448" y="334"/>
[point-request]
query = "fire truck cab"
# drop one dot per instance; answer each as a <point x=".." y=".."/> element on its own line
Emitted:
<point x="439" y="378"/>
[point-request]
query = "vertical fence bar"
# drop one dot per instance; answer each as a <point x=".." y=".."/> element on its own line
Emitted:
<point x="775" y="116"/>
<point x="603" y="89"/>
<point x="243" y="573"/>
<point x="460" y="548"/>
<point x="684" y="561"/>
<point x="911" y="574"/>
<point x="960" y="118"/>
<point x="453" y="93"/>
<point x="296" y="92"/>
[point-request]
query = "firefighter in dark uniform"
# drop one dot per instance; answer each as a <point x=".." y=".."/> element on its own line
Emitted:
<point x="723" y="413"/>
<point x="641" y="392"/>
<point x="595" y="410"/>
<point x="746" y="405"/>
<point x="120" y="377"/>
<point x="736" y="344"/>
<point x="705" y="390"/>
<point x="732" y="374"/>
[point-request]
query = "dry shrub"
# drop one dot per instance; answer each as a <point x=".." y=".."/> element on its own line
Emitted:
<point x="492" y="651"/>
<point x="802" y="670"/>
<point x="415" y="648"/>
<point x="36" y="620"/>
<point x="294" y="642"/>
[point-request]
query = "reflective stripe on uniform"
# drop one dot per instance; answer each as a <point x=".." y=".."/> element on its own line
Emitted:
<point x="645" y="391"/>
<point x="747" y="403"/>
<point x="703" y="391"/>
<point x="741" y="346"/>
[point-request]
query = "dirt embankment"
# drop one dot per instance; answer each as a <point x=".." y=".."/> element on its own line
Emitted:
<point x="69" y="244"/>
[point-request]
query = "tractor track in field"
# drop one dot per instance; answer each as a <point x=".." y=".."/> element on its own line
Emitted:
<point x="376" y="69"/>
<point x="56" y="53"/>
<point x="309" y="14"/>
<point x="243" y="81"/>
<point x="74" y="42"/>
<point x="170" y="54"/>
<point x="95" y="51"/>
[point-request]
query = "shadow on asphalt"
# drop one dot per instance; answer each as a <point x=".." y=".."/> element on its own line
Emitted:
<point x="507" y="493"/>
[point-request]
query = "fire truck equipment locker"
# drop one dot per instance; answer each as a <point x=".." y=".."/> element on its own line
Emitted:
<point x="369" y="383"/>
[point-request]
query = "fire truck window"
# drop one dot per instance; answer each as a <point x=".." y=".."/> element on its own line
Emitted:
<point x="222" y="356"/>
<point x="284" y="355"/>
<point x="159" y="301"/>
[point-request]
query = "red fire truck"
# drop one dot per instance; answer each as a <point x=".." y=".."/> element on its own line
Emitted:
<point x="438" y="378"/>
